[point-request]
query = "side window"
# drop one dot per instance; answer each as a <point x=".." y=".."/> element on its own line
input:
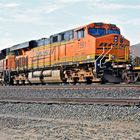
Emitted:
<point x="47" y="41"/>
<point x="97" y="31"/>
<point x="55" y="39"/>
<point x="40" y="43"/>
<point x="63" y="37"/>
<point x="68" y="35"/>
<point x="71" y="35"/>
<point x="80" y="33"/>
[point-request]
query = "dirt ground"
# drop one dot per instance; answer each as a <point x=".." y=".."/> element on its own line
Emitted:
<point x="31" y="128"/>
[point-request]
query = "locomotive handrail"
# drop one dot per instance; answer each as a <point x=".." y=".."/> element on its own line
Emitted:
<point x="99" y="57"/>
<point x="105" y="55"/>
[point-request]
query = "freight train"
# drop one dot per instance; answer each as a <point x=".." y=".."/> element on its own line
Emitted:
<point x="96" y="52"/>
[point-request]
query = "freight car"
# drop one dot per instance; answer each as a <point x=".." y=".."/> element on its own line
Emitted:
<point x="132" y="74"/>
<point x="96" y="52"/>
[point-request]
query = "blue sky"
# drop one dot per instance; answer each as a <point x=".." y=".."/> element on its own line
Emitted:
<point x="23" y="20"/>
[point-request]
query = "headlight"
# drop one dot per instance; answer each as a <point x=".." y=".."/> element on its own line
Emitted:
<point x="115" y="38"/>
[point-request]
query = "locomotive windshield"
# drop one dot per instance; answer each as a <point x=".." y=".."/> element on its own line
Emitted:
<point x="111" y="31"/>
<point x="102" y="31"/>
<point x="96" y="31"/>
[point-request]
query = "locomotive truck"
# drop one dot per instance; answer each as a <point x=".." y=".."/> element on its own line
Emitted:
<point x="96" y="52"/>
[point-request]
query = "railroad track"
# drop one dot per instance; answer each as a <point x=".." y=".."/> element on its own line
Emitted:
<point x="74" y="101"/>
<point x="71" y="87"/>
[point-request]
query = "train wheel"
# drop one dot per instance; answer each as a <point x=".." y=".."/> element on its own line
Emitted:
<point x="88" y="80"/>
<point x="128" y="77"/>
<point x="75" y="80"/>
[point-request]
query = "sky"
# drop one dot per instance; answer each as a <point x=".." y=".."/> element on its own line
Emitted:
<point x="24" y="20"/>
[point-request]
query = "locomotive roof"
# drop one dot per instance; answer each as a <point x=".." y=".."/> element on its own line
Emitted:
<point x="27" y="44"/>
<point x="19" y="46"/>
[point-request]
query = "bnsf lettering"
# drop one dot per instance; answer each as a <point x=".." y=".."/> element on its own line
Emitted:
<point x="44" y="53"/>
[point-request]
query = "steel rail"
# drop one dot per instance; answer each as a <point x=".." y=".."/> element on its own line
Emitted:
<point x="76" y="101"/>
<point x="71" y="87"/>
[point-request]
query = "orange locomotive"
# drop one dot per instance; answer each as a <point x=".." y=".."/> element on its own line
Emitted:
<point x="92" y="53"/>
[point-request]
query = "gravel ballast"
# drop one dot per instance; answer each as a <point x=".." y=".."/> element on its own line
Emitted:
<point x="116" y="92"/>
<point x="78" y="112"/>
<point x="68" y="122"/>
<point x="32" y="121"/>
